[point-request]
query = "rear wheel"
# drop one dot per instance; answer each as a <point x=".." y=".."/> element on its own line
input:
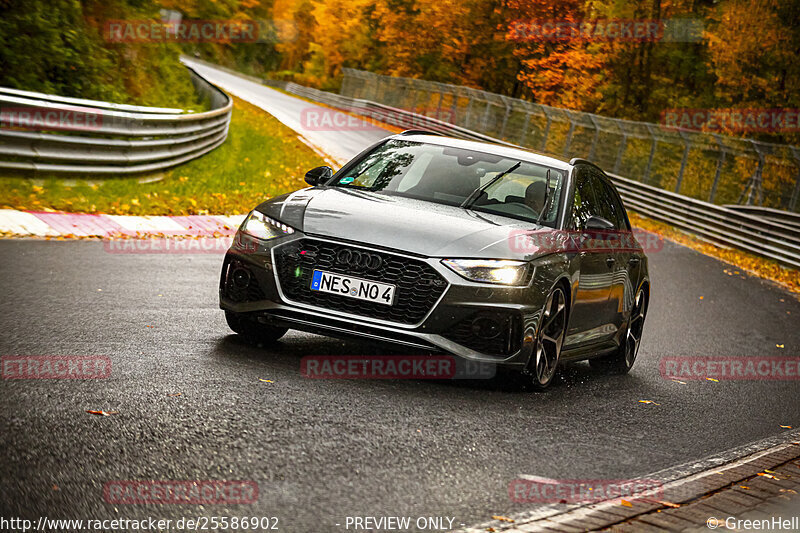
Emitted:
<point x="549" y="340"/>
<point x="252" y="330"/>
<point x="621" y="361"/>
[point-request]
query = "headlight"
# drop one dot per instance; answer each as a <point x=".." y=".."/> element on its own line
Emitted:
<point x="503" y="272"/>
<point x="262" y="227"/>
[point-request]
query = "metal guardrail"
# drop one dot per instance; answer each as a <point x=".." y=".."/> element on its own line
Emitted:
<point x="722" y="226"/>
<point x="89" y="136"/>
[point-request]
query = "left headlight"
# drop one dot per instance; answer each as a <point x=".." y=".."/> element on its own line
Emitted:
<point x="501" y="271"/>
<point x="262" y="227"/>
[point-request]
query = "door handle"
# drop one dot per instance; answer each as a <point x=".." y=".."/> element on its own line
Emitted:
<point x="610" y="261"/>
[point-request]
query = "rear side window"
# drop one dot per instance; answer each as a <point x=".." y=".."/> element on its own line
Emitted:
<point x="616" y="202"/>
<point x="585" y="204"/>
<point x="609" y="205"/>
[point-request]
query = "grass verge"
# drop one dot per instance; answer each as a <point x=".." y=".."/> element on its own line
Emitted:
<point x="260" y="159"/>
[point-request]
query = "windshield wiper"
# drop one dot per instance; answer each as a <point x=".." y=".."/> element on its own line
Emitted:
<point x="474" y="195"/>
<point x="545" y="204"/>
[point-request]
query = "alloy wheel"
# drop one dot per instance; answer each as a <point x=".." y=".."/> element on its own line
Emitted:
<point x="550" y="338"/>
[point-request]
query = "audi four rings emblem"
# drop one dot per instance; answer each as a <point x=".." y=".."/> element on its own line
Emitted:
<point x="356" y="259"/>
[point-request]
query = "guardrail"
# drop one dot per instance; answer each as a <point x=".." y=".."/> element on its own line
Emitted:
<point x="722" y="226"/>
<point x="46" y="133"/>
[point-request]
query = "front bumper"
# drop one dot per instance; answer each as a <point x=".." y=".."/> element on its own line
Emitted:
<point x="436" y="309"/>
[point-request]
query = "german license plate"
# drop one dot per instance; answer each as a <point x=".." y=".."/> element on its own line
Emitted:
<point x="371" y="291"/>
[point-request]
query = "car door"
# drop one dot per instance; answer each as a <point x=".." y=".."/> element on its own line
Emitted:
<point x="590" y="316"/>
<point x="618" y="249"/>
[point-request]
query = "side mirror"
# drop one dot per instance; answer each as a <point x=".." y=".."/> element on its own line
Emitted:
<point x="318" y="175"/>
<point x="599" y="223"/>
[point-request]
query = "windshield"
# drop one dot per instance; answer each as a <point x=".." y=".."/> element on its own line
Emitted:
<point x="450" y="176"/>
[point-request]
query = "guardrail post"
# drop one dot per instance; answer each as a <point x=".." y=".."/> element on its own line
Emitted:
<point x="505" y="120"/>
<point x="684" y="159"/>
<point x="753" y="187"/>
<point x="468" y="113"/>
<point x="571" y="131"/>
<point x="718" y="171"/>
<point x="595" y="137"/>
<point x="546" y="132"/>
<point x="620" y="152"/>
<point x="653" y="148"/>
<point x="796" y="193"/>
<point x="525" y="130"/>
<point x="486" y="116"/>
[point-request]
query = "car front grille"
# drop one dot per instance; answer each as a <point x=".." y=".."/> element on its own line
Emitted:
<point x="419" y="286"/>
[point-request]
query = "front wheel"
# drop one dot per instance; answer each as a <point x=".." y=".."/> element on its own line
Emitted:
<point x="549" y="341"/>
<point x="621" y="361"/>
<point x="252" y="330"/>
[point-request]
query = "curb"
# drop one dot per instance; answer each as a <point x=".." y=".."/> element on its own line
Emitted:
<point x="679" y="499"/>
<point x="15" y="223"/>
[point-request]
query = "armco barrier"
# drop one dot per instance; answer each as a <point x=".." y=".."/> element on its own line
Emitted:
<point x="46" y="133"/>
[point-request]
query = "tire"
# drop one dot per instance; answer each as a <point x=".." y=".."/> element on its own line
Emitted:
<point x="622" y="360"/>
<point x="550" y="335"/>
<point x="252" y="330"/>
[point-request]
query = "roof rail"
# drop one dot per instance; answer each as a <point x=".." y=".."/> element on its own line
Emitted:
<point x="420" y="132"/>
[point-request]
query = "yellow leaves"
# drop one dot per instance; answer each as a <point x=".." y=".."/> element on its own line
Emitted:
<point x="786" y="427"/>
<point x="649" y="402"/>
<point x="102" y="413"/>
<point x="625" y="503"/>
<point x="266" y="380"/>
<point x="37" y="189"/>
<point x="679" y="381"/>
<point x="712" y="379"/>
<point x="502" y="518"/>
<point x="768" y="476"/>
<point x="779" y="345"/>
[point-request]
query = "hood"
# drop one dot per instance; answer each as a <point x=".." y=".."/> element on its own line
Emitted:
<point x="402" y="224"/>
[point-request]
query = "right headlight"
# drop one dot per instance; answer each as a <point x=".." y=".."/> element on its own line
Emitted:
<point x="262" y="227"/>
